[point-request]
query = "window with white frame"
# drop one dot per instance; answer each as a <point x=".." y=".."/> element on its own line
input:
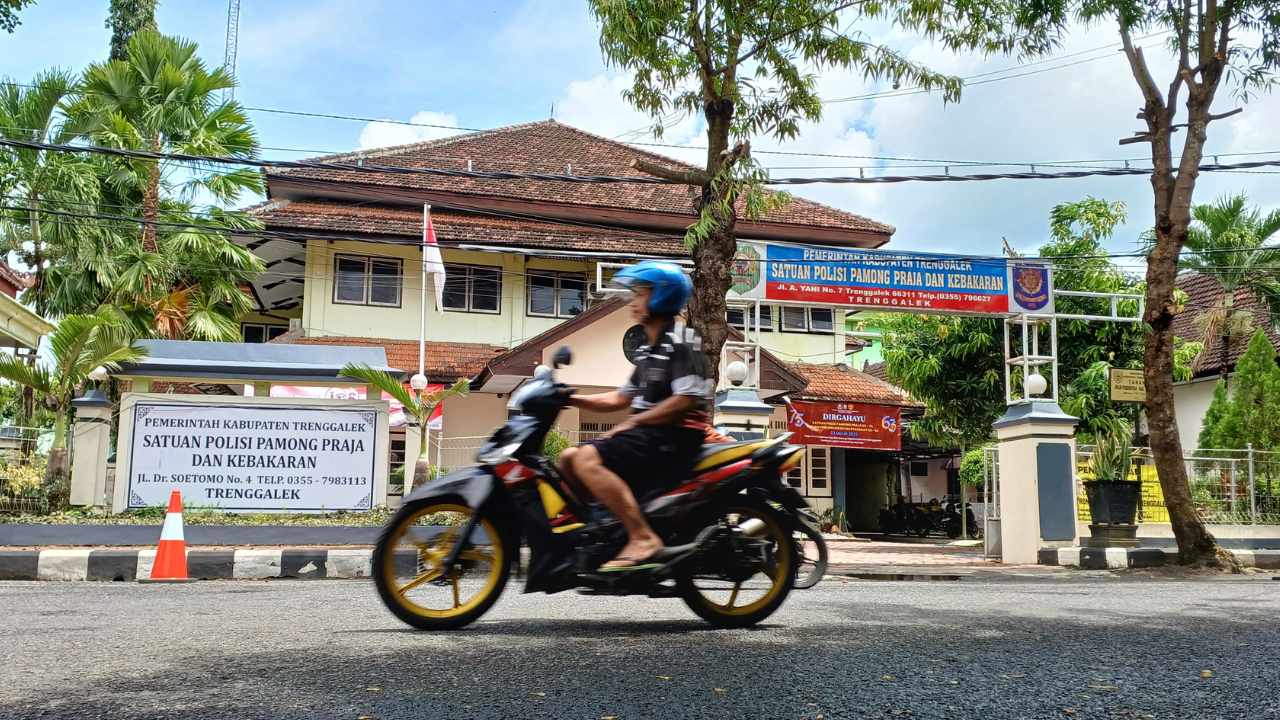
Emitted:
<point x="261" y="332"/>
<point x="739" y="317"/>
<point x="812" y="477"/>
<point x="364" y="280"/>
<point x="808" y="320"/>
<point x="472" y="288"/>
<point x="819" y="472"/>
<point x="556" y="294"/>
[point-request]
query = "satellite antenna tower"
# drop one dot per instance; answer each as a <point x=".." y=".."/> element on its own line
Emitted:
<point x="233" y="41"/>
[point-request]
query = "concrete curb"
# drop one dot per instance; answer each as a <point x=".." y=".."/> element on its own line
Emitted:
<point x="128" y="565"/>
<point x="1088" y="558"/>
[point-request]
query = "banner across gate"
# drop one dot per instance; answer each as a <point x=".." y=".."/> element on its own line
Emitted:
<point x="919" y="282"/>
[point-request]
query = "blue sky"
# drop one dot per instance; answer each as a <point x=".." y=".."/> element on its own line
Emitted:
<point x="485" y="64"/>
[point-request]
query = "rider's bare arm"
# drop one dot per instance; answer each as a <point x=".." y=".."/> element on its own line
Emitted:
<point x="602" y="402"/>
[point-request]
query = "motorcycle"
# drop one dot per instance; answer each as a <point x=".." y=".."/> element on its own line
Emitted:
<point x="446" y="555"/>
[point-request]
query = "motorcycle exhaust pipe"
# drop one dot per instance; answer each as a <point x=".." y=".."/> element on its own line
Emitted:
<point x="754" y="527"/>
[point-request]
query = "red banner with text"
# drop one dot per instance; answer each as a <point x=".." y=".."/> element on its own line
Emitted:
<point x="845" y="425"/>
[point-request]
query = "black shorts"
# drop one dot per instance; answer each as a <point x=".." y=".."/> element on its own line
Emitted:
<point x="650" y="459"/>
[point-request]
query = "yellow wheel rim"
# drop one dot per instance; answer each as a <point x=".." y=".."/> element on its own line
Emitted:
<point x="413" y="564"/>
<point x="776" y="573"/>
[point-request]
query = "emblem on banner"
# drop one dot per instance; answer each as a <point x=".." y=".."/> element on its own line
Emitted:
<point x="745" y="270"/>
<point x="1031" y="286"/>
<point x="889" y="423"/>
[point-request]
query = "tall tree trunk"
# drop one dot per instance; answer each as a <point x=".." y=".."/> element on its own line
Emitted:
<point x="37" y="257"/>
<point x="1196" y="545"/>
<point x="713" y="256"/>
<point x="151" y="206"/>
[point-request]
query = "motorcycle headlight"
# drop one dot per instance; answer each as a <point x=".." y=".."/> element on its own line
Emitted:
<point x="498" y="453"/>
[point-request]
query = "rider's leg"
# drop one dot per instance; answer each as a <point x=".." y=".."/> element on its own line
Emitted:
<point x="608" y="488"/>
<point x="571" y="482"/>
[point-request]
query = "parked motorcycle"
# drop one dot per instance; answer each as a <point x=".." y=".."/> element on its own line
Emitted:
<point x="446" y="555"/>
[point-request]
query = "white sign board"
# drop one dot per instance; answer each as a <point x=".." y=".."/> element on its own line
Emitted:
<point x="253" y="456"/>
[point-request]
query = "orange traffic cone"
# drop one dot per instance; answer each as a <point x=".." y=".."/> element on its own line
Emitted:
<point x="171" y="555"/>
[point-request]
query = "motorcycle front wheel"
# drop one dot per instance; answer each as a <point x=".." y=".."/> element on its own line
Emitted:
<point x="408" y="565"/>
<point x="750" y="597"/>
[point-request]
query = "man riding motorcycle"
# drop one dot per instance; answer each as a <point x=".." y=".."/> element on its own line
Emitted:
<point x="668" y="394"/>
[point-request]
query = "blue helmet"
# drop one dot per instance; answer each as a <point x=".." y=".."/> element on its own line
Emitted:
<point x="670" y="287"/>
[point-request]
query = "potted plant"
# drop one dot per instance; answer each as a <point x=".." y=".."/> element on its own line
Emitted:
<point x="1113" y="496"/>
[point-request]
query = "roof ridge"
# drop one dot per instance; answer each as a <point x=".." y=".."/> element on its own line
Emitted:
<point x="402" y="148"/>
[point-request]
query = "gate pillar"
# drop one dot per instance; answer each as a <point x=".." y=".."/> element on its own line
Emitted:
<point x="1037" y="496"/>
<point x="90" y="448"/>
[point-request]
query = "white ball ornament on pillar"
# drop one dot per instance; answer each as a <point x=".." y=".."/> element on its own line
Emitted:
<point x="736" y="372"/>
<point x="98" y="374"/>
<point x="418" y="382"/>
<point x="1035" y="384"/>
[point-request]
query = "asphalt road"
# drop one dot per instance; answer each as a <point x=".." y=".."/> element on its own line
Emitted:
<point x="1076" y="648"/>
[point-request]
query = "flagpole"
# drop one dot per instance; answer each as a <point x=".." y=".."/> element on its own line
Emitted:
<point x="422" y="333"/>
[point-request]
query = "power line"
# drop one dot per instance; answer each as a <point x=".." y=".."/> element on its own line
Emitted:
<point x="870" y="254"/>
<point x="604" y="179"/>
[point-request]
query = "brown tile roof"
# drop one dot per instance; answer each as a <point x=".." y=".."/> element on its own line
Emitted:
<point x="1204" y="293"/>
<point x="453" y="228"/>
<point x="446" y="361"/>
<point x="550" y="147"/>
<point x="19" y="280"/>
<point x="877" y="370"/>
<point x="841" y="383"/>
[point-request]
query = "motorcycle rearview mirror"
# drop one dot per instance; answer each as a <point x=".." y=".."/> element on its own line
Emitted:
<point x="563" y="356"/>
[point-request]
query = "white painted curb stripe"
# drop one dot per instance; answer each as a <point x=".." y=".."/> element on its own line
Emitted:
<point x="256" y="564"/>
<point x="65" y="564"/>
<point x="1069" y="556"/>
<point x="1117" y="558"/>
<point x="348" y="564"/>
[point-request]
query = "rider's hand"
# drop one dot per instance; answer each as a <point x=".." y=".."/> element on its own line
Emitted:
<point x="620" y="427"/>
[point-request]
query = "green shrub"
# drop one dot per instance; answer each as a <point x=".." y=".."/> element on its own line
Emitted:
<point x="555" y="444"/>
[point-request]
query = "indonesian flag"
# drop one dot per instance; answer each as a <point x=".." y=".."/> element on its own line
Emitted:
<point x="432" y="264"/>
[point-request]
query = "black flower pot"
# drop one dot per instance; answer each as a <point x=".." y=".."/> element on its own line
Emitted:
<point x="1113" y="506"/>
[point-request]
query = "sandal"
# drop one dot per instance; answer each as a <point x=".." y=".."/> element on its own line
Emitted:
<point x="625" y="563"/>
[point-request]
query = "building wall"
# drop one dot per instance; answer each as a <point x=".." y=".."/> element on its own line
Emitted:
<point x="816" y="348"/>
<point x="927" y="487"/>
<point x="322" y="316"/>
<point x="1191" y="402"/>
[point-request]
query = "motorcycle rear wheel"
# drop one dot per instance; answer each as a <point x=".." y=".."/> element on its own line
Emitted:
<point x="813" y="564"/>
<point x="779" y="575"/>
<point x="408" y="565"/>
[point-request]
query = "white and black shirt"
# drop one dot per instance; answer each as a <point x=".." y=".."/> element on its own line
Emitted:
<point x="675" y="365"/>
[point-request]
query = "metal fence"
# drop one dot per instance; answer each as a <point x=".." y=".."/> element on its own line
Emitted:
<point x="452" y="453"/>
<point x="22" y="465"/>
<point x="1228" y="487"/>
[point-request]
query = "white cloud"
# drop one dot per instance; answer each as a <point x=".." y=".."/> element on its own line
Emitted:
<point x="383" y="134"/>
<point x="596" y="105"/>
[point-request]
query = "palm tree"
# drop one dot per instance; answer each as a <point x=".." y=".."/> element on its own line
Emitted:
<point x="46" y="182"/>
<point x="183" y="277"/>
<point x="1227" y="242"/>
<point x="420" y="406"/>
<point x="80" y="344"/>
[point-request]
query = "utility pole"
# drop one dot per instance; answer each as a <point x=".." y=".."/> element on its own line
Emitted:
<point x="232" y="44"/>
